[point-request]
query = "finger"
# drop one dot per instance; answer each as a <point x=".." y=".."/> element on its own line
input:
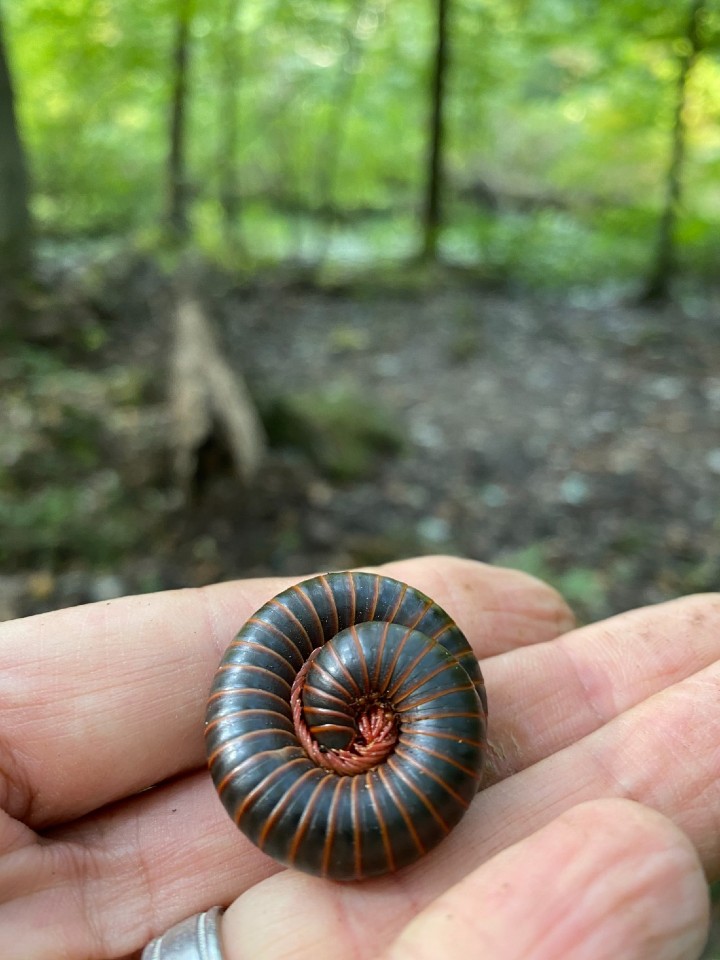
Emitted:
<point x="122" y="685"/>
<point x="97" y="891"/>
<point x="546" y="697"/>
<point x="606" y="879"/>
<point x="662" y="752"/>
<point x="640" y="879"/>
<point x="609" y="878"/>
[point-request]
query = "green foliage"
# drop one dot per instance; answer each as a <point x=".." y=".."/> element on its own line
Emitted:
<point x="337" y="428"/>
<point x="58" y="523"/>
<point x="63" y="497"/>
<point x="545" y="101"/>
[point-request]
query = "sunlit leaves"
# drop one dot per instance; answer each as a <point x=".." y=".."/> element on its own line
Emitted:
<point x="545" y="98"/>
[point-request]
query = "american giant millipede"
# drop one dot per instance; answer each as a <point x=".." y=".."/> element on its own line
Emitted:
<point x="345" y="728"/>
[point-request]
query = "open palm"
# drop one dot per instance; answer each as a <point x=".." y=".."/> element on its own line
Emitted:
<point x="104" y="702"/>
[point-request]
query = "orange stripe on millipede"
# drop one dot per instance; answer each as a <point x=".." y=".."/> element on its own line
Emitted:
<point x="444" y="693"/>
<point x="441" y="756"/>
<point x="376" y="596"/>
<point x="422" y="613"/>
<point x="237" y="770"/>
<point x="361" y="657"/>
<point x="310" y="607"/>
<point x="420" y="683"/>
<point x="251" y="666"/>
<point x="398" y="603"/>
<point x="241" y="766"/>
<point x="395" y="659"/>
<point x="262" y="787"/>
<point x="271" y="628"/>
<point x="466" y="655"/>
<point x="327" y="712"/>
<point x="250" y="735"/>
<point x="309" y="688"/>
<point x="450" y="715"/>
<point x="433" y="776"/>
<point x="287" y="612"/>
<point x="387" y="845"/>
<point x="382" y="688"/>
<point x="330" y="678"/>
<point x="410" y="732"/>
<point x="357" y="833"/>
<point x="304" y="821"/>
<point x="280" y="806"/>
<point x="332" y="603"/>
<point x="344" y="669"/>
<point x="239" y="713"/>
<point x="330" y="728"/>
<point x="400" y="806"/>
<point x="235" y="691"/>
<point x="409" y="669"/>
<point x="353" y="593"/>
<point x="418" y="793"/>
<point x="263" y="648"/>
<point x="330" y="832"/>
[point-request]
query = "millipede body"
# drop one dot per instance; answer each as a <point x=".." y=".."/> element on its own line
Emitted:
<point x="346" y="723"/>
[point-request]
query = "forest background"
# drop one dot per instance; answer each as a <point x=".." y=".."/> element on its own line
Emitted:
<point x="453" y="264"/>
<point x="463" y="254"/>
<point x="580" y="122"/>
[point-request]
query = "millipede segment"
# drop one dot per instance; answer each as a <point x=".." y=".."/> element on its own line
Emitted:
<point x="346" y="726"/>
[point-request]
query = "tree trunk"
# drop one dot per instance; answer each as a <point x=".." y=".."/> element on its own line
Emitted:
<point x="213" y="422"/>
<point x="229" y="188"/>
<point x="432" y="216"/>
<point x="658" y="287"/>
<point x="14" y="187"/>
<point x="177" y="173"/>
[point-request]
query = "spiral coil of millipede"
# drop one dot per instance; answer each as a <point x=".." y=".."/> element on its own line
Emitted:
<point x="346" y="726"/>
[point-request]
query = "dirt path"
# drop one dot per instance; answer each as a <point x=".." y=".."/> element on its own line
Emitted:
<point x="577" y="441"/>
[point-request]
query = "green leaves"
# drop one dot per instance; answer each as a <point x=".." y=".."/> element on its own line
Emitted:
<point x="545" y="99"/>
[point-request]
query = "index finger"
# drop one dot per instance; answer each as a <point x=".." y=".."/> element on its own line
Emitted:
<point x="102" y="701"/>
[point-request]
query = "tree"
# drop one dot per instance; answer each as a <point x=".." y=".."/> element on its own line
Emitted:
<point x="14" y="187"/>
<point x="329" y="154"/>
<point x="432" y="215"/>
<point x="230" y="65"/>
<point x="177" y="173"/>
<point x="658" y="287"/>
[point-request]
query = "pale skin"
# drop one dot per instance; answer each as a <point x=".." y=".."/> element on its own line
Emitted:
<point x="594" y="837"/>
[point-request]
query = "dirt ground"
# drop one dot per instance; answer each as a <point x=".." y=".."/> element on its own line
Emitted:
<point x="576" y="438"/>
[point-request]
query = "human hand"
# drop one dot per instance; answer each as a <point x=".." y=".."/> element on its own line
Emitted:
<point x="98" y="703"/>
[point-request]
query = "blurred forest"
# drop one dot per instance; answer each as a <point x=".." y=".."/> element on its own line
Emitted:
<point x="291" y="286"/>
<point x="301" y="130"/>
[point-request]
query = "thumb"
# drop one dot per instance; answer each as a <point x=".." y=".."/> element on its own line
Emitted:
<point x="607" y="879"/>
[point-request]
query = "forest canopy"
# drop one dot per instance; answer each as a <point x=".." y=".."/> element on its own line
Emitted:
<point x="301" y="128"/>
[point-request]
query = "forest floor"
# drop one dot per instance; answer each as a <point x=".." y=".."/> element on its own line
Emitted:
<point x="575" y="437"/>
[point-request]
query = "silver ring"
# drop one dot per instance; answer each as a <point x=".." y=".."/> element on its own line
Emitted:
<point x="197" y="938"/>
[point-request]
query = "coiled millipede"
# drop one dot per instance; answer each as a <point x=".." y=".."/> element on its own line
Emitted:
<point x="345" y="728"/>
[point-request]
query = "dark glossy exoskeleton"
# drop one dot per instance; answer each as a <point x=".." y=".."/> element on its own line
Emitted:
<point x="359" y="761"/>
